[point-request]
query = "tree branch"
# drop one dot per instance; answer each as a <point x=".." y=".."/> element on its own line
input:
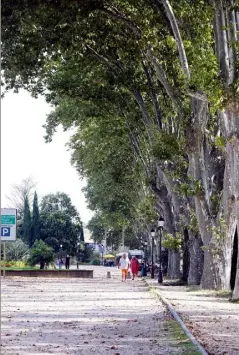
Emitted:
<point x="143" y="109"/>
<point x="177" y="36"/>
<point x="162" y="78"/>
<point x="154" y="96"/>
<point x="221" y="41"/>
<point x="101" y="58"/>
<point x="115" y="13"/>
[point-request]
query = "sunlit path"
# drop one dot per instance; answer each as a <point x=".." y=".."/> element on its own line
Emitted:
<point x="74" y="316"/>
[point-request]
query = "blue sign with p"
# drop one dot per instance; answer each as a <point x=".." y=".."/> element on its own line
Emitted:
<point x="5" y="231"/>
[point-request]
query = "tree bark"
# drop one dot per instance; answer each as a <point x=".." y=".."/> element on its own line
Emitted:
<point x="196" y="261"/>
<point x="174" y="271"/>
<point x="177" y="36"/>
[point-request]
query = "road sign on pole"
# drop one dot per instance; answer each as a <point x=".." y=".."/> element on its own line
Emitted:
<point x="8" y="224"/>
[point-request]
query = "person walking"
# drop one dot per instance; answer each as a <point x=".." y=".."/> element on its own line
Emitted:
<point x="124" y="266"/>
<point x="143" y="268"/>
<point x="68" y="262"/>
<point x="134" y="265"/>
<point x="60" y="263"/>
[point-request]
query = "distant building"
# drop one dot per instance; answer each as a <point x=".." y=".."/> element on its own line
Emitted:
<point x="89" y="242"/>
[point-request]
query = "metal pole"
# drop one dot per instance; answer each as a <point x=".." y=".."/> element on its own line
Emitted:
<point x="160" y="275"/>
<point x="145" y="260"/>
<point x="4" y="260"/>
<point x="152" y="259"/>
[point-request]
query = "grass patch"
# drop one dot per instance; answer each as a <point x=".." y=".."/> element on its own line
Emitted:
<point x="180" y="340"/>
<point x="20" y="268"/>
<point x="209" y="293"/>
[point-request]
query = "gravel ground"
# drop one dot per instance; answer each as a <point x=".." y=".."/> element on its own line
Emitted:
<point x="77" y="316"/>
<point x="213" y="320"/>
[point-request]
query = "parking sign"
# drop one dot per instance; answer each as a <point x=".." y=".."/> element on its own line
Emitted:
<point x="8" y="224"/>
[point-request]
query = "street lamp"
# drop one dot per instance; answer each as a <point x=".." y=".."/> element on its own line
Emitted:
<point x="160" y="228"/>
<point x="61" y="250"/>
<point x="145" y="258"/>
<point x="145" y="249"/>
<point x="152" y="251"/>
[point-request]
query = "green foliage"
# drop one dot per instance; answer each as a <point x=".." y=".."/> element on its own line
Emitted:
<point x="219" y="231"/>
<point x="88" y="255"/>
<point x="60" y="223"/>
<point x="131" y="240"/>
<point x="95" y="262"/>
<point x="59" y="202"/>
<point x="215" y="202"/>
<point x="97" y="229"/>
<point x="166" y="146"/>
<point x="35" y="220"/>
<point x="193" y="224"/>
<point x="17" y="251"/>
<point x="41" y="254"/>
<point x="95" y="259"/>
<point x="89" y="60"/>
<point x="27" y="224"/>
<point x="220" y="142"/>
<point x="14" y="264"/>
<point x="190" y="188"/>
<point x="172" y="242"/>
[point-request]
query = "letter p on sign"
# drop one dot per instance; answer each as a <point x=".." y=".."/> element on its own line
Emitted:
<point x="5" y="231"/>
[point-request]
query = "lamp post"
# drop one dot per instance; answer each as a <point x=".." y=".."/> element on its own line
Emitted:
<point x="152" y="251"/>
<point x="145" y="258"/>
<point x="160" y="228"/>
<point x="61" y="250"/>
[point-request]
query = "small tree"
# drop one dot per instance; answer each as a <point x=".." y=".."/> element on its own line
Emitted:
<point x="41" y="253"/>
<point x="19" y="193"/>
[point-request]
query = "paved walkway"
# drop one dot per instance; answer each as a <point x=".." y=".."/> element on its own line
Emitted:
<point x="74" y="316"/>
<point x="209" y="315"/>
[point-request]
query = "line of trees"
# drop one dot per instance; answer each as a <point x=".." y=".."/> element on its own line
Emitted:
<point x="56" y="221"/>
<point x="151" y="88"/>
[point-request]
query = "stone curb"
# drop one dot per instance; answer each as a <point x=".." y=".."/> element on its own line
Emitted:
<point x="179" y="320"/>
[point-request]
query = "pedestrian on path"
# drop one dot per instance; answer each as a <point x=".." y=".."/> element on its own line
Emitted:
<point x="67" y="262"/>
<point x="134" y="265"/>
<point x="124" y="266"/>
<point x="60" y="263"/>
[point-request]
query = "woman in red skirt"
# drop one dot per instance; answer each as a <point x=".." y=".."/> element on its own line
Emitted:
<point x="134" y="265"/>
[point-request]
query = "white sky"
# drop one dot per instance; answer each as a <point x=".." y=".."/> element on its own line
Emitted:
<point x="24" y="152"/>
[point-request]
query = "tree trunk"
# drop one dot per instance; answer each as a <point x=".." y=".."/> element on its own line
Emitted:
<point x="173" y="265"/>
<point x="230" y="200"/>
<point x="186" y="256"/>
<point x="196" y="261"/>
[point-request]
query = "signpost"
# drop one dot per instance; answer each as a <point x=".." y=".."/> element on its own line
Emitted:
<point x="8" y="230"/>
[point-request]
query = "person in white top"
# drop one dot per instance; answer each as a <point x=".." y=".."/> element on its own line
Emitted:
<point x="124" y="266"/>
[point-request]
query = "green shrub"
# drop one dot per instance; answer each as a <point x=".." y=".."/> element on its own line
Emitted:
<point x="95" y="262"/>
<point x="17" y="250"/>
<point x="172" y="242"/>
<point x="41" y="254"/>
<point x="14" y="264"/>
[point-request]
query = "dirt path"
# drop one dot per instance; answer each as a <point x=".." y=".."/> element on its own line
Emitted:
<point x="72" y="316"/>
<point x="212" y="319"/>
